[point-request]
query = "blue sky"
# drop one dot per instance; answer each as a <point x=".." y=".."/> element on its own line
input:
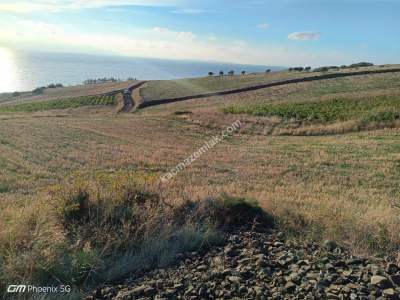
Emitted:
<point x="285" y="32"/>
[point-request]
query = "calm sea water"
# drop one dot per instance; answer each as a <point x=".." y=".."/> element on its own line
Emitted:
<point x="22" y="71"/>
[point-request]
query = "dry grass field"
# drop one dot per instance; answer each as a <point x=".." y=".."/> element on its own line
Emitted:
<point x="317" y="183"/>
<point x="162" y="89"/>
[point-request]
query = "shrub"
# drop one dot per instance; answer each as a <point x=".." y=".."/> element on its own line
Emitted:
<point x="321" y="69"/>
<point x="90" y="232"/>
<point x="361" y="65"/>
<point x="4" y="188"/>
<point x="382" y="116"/>
<point x="39" y="90"/>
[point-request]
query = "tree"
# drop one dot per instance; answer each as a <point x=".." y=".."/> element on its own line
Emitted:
<point x="361" y="65"/>
<point x="39" y="90"/>
<point x="290" y="69"/>
<point x="268" y="71"/>
<point x="221" y="73"/>
<point x="307" y="69"/>
<point x="243" y="72"/>
<point x="321" y="69"/>
<point x="210" y="73"/>
<point x="231" y="72"/>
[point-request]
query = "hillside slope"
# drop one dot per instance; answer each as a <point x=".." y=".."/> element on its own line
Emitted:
<point x="69" y="176"/>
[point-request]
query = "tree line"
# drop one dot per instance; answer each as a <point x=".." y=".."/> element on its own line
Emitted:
<point x="231" y="73"/>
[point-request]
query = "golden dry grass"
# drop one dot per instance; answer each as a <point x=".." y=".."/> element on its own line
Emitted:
<point x="343" y="187"/>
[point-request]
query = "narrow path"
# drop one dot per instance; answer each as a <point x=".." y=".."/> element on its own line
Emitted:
<point x="130" y="102"/>
<point x="148" y="103"/>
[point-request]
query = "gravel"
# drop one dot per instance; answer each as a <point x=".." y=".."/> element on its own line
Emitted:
<point x="255" y="265"/>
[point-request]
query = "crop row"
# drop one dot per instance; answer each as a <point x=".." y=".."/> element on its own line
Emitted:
<point x="382" y="108"/>
<point x="60" y="104"/>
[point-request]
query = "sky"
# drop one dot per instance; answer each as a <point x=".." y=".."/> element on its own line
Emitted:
<point x="268" y="32"/>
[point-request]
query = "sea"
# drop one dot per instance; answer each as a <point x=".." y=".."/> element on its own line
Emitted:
<point x="27" y="70"/>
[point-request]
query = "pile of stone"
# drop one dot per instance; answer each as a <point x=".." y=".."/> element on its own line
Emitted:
<point x="265" y="266"/>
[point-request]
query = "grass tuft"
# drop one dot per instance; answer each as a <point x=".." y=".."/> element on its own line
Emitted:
<point x="87" y="233"/>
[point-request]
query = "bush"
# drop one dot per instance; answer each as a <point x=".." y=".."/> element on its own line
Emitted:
<point x="4" y="188"/>
<point x="39" y="90"/>
<point x="361" y="65"/>
<point x="321" y="69"/>
<point x="382" y="116"/>
<point x="226" y="212"/>
<point x="91" y="232"/>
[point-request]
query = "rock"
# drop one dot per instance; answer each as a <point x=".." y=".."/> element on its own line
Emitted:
<point x="381" y="281"/>
<point x="290" y="287"/>
<point x="202" y="268"/>
<point x="255" y="265"/>
<point x="230" y="251"/>
<point x="331" y="296"/>
<point x="396" y="279"/>
<point x="392" y="268"/>
<point x="235" y="279"/>
<point x="124" y="295"/>
<point x="389" y="293"/>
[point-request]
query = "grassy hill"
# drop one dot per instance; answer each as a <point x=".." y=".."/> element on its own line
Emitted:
<point x="317" y="181"/>
<point x="162" y="89"/>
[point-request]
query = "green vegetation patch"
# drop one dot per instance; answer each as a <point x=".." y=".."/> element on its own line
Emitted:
<point x="60" y="104"/>
<point x="375" y="109"/>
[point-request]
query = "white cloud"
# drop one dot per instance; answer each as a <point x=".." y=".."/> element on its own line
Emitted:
<point x="189" y="11"/>
<point x="158" y="42"/>
<point x="304" y="36"/>
<point x="24" y="6"/>
<point x="263" y="26"/>
<point x="181" y="35"/>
